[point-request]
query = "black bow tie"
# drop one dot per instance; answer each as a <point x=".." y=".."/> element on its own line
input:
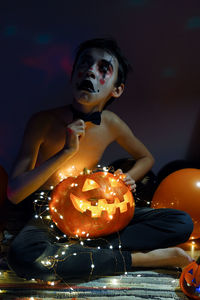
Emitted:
<point x="94" y="117"/>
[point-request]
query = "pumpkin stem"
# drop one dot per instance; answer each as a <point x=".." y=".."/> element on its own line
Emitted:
<point x="86" y="171"/>
<point x="198" y="260"/>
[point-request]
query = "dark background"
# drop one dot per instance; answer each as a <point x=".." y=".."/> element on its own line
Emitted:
<point x="161" y="39"/>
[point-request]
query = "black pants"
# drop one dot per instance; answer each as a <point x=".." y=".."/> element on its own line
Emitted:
<point x="36" y="253"/>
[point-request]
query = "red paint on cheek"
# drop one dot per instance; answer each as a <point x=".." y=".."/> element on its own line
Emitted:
<point x="102" y="81"/>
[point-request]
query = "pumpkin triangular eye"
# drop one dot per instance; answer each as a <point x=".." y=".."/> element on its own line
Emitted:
<point x="90" y="185"/>
<point x="194" y="281"/>
<point x="191" y="271"/>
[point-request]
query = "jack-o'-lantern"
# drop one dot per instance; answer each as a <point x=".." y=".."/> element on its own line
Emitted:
<point x="91" y="205"/>
<point x="190" y="280"/>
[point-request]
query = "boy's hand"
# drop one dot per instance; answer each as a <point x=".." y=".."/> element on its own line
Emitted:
<point x="75" y="131"/>
<point x="127" y="179"/>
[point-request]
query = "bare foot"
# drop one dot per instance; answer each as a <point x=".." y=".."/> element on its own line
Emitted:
<point x="167" y="257"/>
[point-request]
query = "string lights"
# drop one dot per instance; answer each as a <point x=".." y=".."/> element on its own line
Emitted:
<point x="41" y="206"/>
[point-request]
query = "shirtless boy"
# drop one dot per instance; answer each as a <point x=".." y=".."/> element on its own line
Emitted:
<point x="59" y="141"/>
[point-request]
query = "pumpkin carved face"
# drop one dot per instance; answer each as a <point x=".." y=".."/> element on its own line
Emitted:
<point x="190" y="280"/>
<point x="91" y="205"/>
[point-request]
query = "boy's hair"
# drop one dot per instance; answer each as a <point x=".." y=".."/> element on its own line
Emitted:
<point x="111" y="46"/>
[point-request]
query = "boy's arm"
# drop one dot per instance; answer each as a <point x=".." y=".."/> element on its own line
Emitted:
<point x="25" y="178"/>
<point x="125" y="138"/>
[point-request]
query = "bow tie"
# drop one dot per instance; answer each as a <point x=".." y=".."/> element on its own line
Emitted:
<point x="94" y="117"/>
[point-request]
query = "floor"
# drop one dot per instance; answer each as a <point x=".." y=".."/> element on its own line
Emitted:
<point x="144" y="284"/>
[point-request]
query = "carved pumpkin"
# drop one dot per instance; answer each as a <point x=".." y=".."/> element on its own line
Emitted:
<point x="190" y="280"/>
<point x="91" y="205"/>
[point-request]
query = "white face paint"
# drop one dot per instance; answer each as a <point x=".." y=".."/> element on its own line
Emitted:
<point x="94" y="77"/>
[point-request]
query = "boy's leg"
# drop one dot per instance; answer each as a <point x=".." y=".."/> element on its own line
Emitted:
<point x="151" y="229"/>
<point x="36" y="254"/>
<point x="150" y="234"/>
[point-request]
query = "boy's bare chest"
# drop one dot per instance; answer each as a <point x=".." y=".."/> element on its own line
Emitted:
<point x="92" y="145"/>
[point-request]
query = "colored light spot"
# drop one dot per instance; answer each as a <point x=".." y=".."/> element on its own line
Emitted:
<point x="51" y="61"/>
<point x="169" y="73"/>
<point x="193" y="23"/>
<point x="10" y="30"/>
<point x="43" y="39"/>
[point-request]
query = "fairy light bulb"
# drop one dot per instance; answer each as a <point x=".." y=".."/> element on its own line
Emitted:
<point x="192" y="248"/>
<point x="114" y="281"/>
<point x="198" y="184"/>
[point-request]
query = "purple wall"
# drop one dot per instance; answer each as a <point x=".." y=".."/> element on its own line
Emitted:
<point x="161" y="102"/>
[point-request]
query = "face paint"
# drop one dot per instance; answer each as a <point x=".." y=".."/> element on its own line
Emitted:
<point x="102" y="81"/>
<point x="100" y="68"/>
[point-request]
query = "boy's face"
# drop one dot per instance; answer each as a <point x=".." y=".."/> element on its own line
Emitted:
<point x="94" y="77"/>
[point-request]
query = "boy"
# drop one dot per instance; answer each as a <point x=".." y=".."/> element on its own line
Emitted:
<point x="61" y="142"/>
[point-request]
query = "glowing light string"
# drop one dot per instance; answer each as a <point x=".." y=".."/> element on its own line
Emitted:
<point x="41" y="208"/>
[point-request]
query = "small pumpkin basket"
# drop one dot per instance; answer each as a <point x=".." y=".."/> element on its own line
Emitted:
<point x="190" y="280"/>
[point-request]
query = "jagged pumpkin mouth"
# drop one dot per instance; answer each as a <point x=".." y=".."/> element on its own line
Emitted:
<point x="96" y="208"/>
